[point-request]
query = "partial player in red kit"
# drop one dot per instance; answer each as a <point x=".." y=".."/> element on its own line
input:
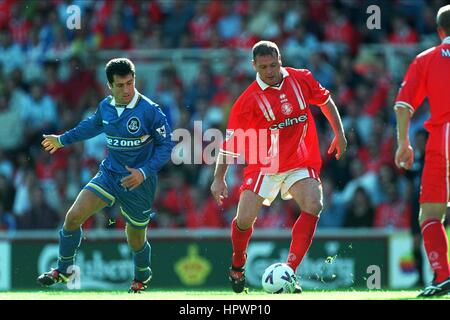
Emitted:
<point x="428" y="76"/>
<point x="272" y="129"/>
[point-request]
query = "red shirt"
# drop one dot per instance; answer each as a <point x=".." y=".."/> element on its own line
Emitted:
<point x="278" y="124"/>
<point x="427" y="76"/>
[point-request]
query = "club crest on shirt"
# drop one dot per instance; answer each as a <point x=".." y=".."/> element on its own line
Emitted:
<point x="286" y="108"/>
<point x="133" y="125"/>
<point x="249" y="181"/>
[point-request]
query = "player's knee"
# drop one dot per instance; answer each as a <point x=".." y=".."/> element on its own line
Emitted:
<point x="135" y="244"/>
<point x="73" y="220"/>
<point x="245" y="222"/>
<point x="431" y="213"/>
<point x="313" y="207"/>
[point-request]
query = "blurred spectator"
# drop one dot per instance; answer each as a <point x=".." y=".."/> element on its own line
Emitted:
<point x="300" y="41"/>
<point x="6" y="166"/>
<point x="322" y="70"/>
<point x="393" y="213"/>
<point x="360" y="211"/>
<point x="12" y="125"/>
<point x="334" y="211"/>
<point x="338" y="28"/>
<point x="229" y="24"/>
<point x="11" y="54"/>
<point x="203" y="212"/>
<point x="276" y="216"/>
<point x="115" y="37"/>
<point x="7" y="220"/>
<point x="79" y="83"/>
<point x="22" y="202"/>
<point x="402" y="33"/>
<point x="38" y="112"/>
<point x="40" y="215"/>
<point x="176" y="22"/>
<point x="7" y="194"/>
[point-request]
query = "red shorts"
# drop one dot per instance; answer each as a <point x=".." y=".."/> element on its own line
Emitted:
<point x="269" y="185"/>
<point x="435" y="176"/>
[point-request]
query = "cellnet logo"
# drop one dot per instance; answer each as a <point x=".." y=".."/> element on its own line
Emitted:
<point x="289" y="122"/>
<point x="445" y="52"/>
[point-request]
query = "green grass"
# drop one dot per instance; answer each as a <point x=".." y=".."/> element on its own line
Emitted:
<point x="225" y="294"/>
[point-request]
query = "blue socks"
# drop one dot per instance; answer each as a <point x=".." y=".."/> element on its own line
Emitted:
<point x="142" y="271"/>
<point x="69" y="241"/>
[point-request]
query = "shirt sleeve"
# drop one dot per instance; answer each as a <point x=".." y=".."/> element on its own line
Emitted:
<point x="412" y="90"/>
<point x="318" y="95"/>
<point x="238" y="122"/>
<point x="162" y="139"/>
<point x="86" y="129"/>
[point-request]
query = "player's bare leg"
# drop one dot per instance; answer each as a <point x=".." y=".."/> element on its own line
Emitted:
<point x="435" y="241"/>
<point x="241" y="231"/>
<point x="137" y="241"/>
<point x="308" y="195"/>
<point x="86" y="204"/>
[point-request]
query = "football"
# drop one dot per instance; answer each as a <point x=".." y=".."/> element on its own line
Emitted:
<point x="278" y="278"/>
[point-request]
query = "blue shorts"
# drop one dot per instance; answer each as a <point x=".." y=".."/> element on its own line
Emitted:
<point x="135" y="205"/>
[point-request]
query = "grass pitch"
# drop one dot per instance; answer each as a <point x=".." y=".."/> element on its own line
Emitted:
<point x="225" y="294"/>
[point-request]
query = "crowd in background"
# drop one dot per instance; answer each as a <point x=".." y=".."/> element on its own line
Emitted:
<point x="49" y="82"/>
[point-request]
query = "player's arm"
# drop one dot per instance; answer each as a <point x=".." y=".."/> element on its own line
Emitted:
<point x="86" y="129"/>
<point x="162" y="139"/>
<point x="219" y="187"/>
<point x="321" y="97"/>
<point x="410" y="96"/>
<point x="404" y="155"/>
<point x="230" y="149"/>
<point x="339" y="142"/>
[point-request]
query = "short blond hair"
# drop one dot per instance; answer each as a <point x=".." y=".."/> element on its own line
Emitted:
<point x="443" y="19"/>
<point x="265" y="48"/>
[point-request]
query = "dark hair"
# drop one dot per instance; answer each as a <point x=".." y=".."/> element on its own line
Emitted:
<point x="120" y="67"/>
<point x="265" y="48"/>
<point x="443" y="19"/>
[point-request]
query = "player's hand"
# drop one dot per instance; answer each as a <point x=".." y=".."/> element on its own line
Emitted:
<point x="132" y="181"/>
<point x="339" y="144"/>
<point x="51" y="143"/>
<point x="404" y="156"/>
<point x="219" y="190"/>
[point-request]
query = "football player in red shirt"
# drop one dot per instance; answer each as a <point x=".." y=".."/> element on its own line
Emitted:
<point x="271" y="127"/>
<point x="428" y="76"/>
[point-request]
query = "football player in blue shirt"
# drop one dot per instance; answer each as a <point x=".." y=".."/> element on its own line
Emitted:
<point x="138" y="138"/>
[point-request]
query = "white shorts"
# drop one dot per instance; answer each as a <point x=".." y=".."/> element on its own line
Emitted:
<point x="268" y="185"/>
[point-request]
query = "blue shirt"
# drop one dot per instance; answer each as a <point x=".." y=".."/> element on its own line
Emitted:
<point x="139" y="137"/>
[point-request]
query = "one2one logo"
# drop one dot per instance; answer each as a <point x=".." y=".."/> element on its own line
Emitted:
<point x="133" y="125"/>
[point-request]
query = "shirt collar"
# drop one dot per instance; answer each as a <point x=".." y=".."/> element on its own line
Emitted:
<point x="132" y="103"/>
<point x="264" y="85"/>
<point x="446" y="40"/>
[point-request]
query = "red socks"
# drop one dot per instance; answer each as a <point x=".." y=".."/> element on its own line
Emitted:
<point x="239" y="240"/>
<point x="436" y="245"/>
<point x="302" y="235"/>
